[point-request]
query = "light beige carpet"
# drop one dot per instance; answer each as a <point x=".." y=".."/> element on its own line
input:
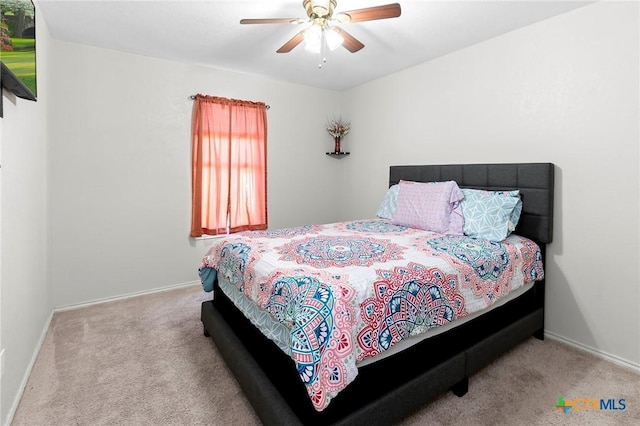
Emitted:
<point x="145" y="361"/>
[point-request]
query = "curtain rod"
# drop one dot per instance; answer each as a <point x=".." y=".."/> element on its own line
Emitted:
<point x="193" y="97"/>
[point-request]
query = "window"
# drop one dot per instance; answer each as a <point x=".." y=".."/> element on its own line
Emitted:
<point x="229" y="166"/>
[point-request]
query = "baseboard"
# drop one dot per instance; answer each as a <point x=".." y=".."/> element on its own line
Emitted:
<point x="124" y="296"/>
<point x="593" y="351"/>
<point x="25" y="379"/>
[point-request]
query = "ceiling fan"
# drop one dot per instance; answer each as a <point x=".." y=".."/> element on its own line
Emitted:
<point x="324" y="29"/>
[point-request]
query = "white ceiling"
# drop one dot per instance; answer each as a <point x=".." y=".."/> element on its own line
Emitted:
<point x="209" y="33"/>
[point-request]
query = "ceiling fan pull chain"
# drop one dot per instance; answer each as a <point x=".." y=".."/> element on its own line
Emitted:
<point x="321" y="58"/>
<point x="323" y="48"/>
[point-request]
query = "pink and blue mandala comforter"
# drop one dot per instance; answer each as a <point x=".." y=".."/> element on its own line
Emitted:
<point x="351" y="290"/>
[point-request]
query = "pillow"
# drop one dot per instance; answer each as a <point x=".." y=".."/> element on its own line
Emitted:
<point x="491" y="215"/>
<point x="388" y="206"/>
<point x="432" y="206"/>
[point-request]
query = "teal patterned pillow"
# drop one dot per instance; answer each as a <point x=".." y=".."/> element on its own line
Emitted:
<point x="388" y="206"/>
<point x="491" y="215"/>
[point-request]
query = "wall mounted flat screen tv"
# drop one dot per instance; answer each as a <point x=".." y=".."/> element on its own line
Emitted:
<point x="18" y="47"/>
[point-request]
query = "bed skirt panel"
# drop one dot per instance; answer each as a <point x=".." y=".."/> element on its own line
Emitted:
<point x="270" y="381"/>
<point x="487" y="350"/>
<point x="273" y="408"/>
<point x="261" y="393"/>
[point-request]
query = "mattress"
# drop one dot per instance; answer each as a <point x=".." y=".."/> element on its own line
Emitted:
<point x="338" y="296"/>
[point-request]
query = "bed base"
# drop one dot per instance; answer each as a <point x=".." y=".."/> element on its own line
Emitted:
<point x="279" y="398"/>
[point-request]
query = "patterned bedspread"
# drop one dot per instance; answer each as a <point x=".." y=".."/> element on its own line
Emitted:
<point x="350" y="290"/>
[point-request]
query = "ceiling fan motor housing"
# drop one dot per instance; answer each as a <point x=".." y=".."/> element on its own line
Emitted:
<point x="319" y="11"/>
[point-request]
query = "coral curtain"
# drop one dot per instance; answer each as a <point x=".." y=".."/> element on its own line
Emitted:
<point x="229" y="166"/>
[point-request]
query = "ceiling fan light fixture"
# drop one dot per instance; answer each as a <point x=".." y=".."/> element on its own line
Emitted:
<point x="315" y="36"/>
<point x="334" y="40"/>
<point x="313" y="39"/>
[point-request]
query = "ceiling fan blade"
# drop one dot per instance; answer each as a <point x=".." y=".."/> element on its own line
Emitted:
<point x="350" y="43"/>
<point x="293" y="42"/>
<point x="370" y="13"/>
<point x="272" y="21"/>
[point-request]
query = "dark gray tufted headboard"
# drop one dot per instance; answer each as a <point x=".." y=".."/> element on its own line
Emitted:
<point x="534" y="180"/>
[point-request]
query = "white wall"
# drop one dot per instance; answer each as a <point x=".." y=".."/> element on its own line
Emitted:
<point x="120" y="166"/>
<point x="564" y="91"/>
<point x="24" y="275"/>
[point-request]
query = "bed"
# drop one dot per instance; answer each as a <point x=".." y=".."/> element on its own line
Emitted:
<point x="385" y="391"/>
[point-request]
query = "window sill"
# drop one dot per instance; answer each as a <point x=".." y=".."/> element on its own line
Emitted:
<point x="210" y="237"/>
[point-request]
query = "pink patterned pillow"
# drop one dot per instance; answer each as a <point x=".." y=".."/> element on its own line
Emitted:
<point x="432" y="206"/>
